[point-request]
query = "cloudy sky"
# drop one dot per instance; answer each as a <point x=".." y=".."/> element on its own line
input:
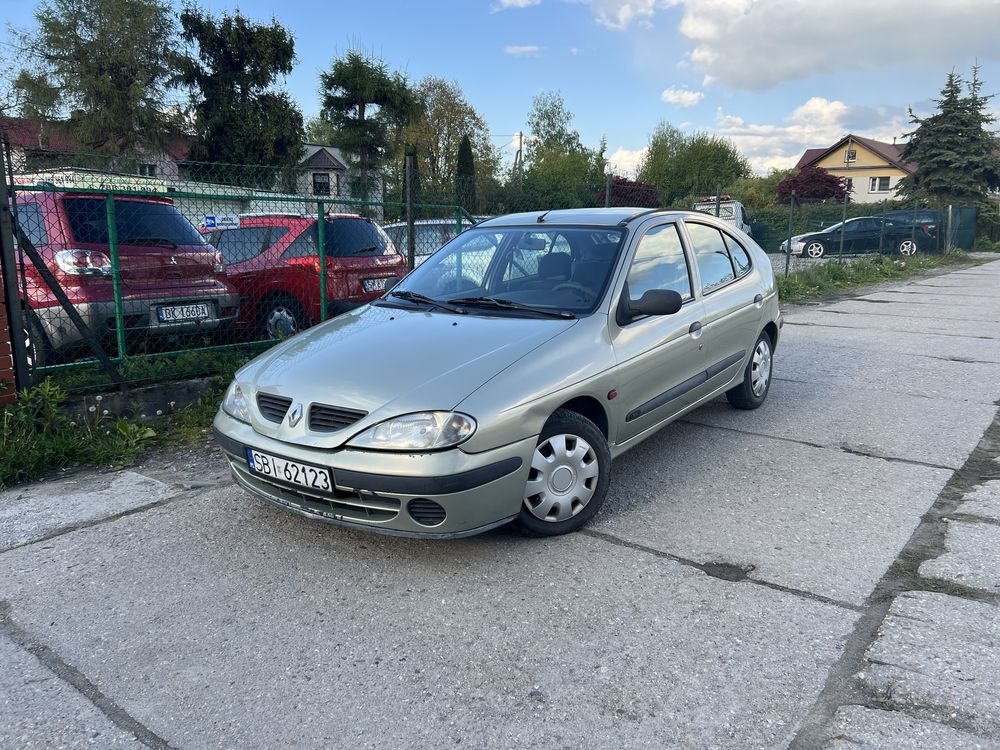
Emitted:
<point x="775" y="76"/>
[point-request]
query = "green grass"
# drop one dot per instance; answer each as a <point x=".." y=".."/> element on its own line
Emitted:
<point x="832" y="278"/>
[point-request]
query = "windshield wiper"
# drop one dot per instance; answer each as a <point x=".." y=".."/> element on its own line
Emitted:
<point x="371" y="249"/>
<point x="424" y="299"/>
<point x="508" y="304"/>
<point x="158" y="241"/>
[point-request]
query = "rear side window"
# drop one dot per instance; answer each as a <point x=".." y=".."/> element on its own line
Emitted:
<point x="31" y="221"/>
<point x="740" y="256"/>
<point x="712" y="256"/>
<point x="137" y="222"/>
<point x="245" y="243"/>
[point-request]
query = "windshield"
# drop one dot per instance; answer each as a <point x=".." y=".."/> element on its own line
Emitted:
<point x="562" y="269"/>
<point x="137" y="222"/>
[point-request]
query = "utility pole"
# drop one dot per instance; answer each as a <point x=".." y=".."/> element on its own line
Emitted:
<point x="518" y="158"/>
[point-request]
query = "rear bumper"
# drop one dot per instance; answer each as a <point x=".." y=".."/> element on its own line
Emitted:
<point x="374" y="490"/>
<point x="140" y="317"/>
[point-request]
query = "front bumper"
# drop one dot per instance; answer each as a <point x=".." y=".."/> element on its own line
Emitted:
<point x="374" y="489"/>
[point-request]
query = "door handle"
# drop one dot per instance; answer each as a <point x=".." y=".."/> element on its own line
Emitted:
<point x="695" y="329"/>
<point x="758" y="299"/>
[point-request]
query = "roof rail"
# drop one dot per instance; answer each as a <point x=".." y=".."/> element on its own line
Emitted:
<point x="637" y="214"/>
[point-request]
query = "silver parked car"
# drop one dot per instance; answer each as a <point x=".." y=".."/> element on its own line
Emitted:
<point x="497" y="381"/>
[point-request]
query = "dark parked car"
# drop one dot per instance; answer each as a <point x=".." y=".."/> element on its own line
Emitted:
<point x="172" y="282"/>
<point x="867" y="234"/>
<point x="273" y="260"/>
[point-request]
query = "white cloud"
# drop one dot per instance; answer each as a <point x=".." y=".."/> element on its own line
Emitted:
<point x="682" y="97"/>
<point x="625" y="162"/>
<point x="757" y="44"/>
<point x="505" y="4"/>
<point x="574" y="50"/>
<point x="621" y="14"/>
<point x="522" y="50"/>
<point x="817" y="122"/>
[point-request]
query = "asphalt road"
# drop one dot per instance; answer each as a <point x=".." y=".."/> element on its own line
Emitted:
<point x="823" y="572"/>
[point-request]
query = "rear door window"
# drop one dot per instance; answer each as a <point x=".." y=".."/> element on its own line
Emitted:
<point x="712" y="256"/>
<point x="31" y="221"/>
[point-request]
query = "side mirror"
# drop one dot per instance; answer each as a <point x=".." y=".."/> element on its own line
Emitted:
<point x="656" y="302"/>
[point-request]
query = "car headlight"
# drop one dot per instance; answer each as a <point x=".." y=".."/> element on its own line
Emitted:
<point x="235" y="403"/>
<point x="423" y="431"/>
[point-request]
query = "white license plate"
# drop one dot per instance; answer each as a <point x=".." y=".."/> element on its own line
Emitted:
<point x="374" y="285"/>
<point x="182" y="312"/>
<point x="293" y="472"/>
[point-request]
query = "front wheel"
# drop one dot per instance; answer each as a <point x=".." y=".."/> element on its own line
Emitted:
<point x="814" y="249"/>
<point x="756" y="377"/>
<point x="569" y="475"/>
<point x="907" y="247"/>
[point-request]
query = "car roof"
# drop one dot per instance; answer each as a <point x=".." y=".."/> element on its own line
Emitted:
<point x="602" y="217"/>
<point x="449" y="222"/>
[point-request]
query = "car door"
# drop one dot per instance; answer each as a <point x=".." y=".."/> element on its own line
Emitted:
<point x="865" y="236"/>
<point x="660" y="361"/>
<point x="732" y="299"/>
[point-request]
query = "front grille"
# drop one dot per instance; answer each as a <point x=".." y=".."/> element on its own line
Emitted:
<point x="323" y="418"/>
<point x="273" y="408"/>
<point x="425" y="512"/>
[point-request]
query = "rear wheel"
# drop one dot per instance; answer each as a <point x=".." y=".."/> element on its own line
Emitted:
<point x="568" y="479"/>
<point x="36" y="345"/>
<point x="756" y="377"/>
<point x="907" y="247"/>
<point x="282" y="317"/>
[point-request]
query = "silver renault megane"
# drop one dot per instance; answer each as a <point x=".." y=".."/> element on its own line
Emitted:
<point x="499" y="379"/>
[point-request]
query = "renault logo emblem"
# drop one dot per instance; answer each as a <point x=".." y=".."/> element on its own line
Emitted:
<point x="295" y="415"/>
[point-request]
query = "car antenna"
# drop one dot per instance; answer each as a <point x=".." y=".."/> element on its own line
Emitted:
<point x="541" y="219"/>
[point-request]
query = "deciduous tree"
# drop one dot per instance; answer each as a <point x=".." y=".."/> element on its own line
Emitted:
<point x="813" y="183"/>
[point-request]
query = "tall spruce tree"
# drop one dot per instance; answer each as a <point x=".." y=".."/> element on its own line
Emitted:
<point x="955" y="152"/>
<point x="240" y="118"/>
<point x="465" y="176"/>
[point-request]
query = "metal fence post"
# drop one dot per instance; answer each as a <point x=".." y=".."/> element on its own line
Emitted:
<point x="791" y="211"/>
<point x="411" y="246"/>
<point x="607" y="190"/>
<point x="947" y="238"/>
<point x="843" y="222"/>
<point x="116" y="275"/>
<point x="321" y="247"/>
<point x="8" y="264"/>
<point x="913" y="229"/>
<point x="718" y="206"/>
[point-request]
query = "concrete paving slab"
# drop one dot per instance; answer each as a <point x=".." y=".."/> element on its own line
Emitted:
<point x="859" y="728"/>
<point x="819" y="520"/>
<point x="983" y="501"/>
<point x="32" y="512"/>
<point x="984" y="301"/>
<point x="971" y="557"/>
<point x="799" y="358"/>
<point x="974" y="331"/>
<point x="866" y="306"/>
<point x="861" y="420"/>
<point x="40" y="711"/>
<point x="220" y="621"/>
<point x="938" y="654"/>
<point x="925" y="345"/>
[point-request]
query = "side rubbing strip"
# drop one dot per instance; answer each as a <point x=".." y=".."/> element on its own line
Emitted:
<point x="679" y="390"/>
<point x="725" y="364"/>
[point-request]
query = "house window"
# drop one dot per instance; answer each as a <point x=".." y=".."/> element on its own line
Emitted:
<point x="147" y="170"/>
<point x="321" y="183"/>
<point x="878" y="185"/>
<point x="851" y="155"/>
<point x="337" y="178"/>
<point x="849" y="184"/>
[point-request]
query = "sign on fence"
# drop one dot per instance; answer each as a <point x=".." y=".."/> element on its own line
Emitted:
<point x="221" y="221"/>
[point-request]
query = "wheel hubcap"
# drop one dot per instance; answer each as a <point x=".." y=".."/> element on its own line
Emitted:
<point x="563" y="478"/>
<point x="281" y="323"/>
<point x="814" y="250"/>
<point x="760" y="368"/>
<point x="907" y="248"/>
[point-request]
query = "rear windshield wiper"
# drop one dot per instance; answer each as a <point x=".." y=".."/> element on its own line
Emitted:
<point x="507" y="304"/>
<point x="159" y="241"/>
<point x="371" y="249"/>
<point x="424" y="299"/>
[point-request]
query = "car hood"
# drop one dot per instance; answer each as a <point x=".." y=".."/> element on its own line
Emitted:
<point x="389" y="361"/>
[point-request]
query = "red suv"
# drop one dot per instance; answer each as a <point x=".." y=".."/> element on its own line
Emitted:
<point x="172" y="282"/>
<point x="273" y="260"/>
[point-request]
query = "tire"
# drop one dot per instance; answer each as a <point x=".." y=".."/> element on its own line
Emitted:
<point x="574" y="453"/>
<point x="281" y="317"/>
<point x="813" y="249"/>
<point x="36" y="345"/>
<point x="907" y="247"/>
<point x="752" y="392"/>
